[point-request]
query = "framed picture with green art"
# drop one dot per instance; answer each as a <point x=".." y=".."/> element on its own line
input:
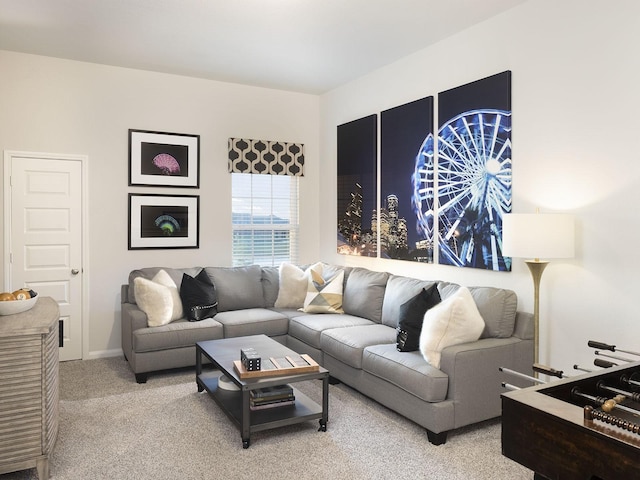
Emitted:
<point x="163" y="221"/>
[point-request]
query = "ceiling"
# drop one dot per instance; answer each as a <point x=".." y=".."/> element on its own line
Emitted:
<point x="309" y="46"/>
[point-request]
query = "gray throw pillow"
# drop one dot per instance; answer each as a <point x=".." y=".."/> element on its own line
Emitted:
<point x="237" y="287"/>
<point x="364" y="293"/>
<point x="498" y="309"/>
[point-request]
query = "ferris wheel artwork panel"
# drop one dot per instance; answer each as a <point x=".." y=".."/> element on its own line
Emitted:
<point x="473" y="173"/>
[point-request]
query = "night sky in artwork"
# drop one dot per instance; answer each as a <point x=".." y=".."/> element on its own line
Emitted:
<point x="491" y="92"/>
<point x="357" y="144"/>
<point x="403" y="129"/>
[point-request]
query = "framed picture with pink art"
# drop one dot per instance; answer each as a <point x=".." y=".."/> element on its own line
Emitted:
<point x="164" y="159"/>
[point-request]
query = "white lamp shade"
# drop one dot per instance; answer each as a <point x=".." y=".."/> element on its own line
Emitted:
<point x="538" y="235"/>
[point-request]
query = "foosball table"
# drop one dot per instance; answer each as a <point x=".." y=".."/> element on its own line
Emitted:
<point x="582" y="427"/>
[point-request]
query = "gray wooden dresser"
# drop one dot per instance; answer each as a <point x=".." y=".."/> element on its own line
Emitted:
<point x="29" y="387"/>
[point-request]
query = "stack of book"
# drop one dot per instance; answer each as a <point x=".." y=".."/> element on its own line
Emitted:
<point x="270" y="397"/>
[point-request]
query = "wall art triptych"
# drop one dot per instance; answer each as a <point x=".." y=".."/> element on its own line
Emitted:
<point x="441" y="196"/>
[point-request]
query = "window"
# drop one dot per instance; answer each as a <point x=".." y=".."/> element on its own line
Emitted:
<point x="265" y="219"/>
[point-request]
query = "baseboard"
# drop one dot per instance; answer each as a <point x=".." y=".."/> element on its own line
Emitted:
<point x="105" y="354"/>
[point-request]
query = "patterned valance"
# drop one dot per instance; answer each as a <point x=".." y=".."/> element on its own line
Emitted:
<point x="263" y="156"/>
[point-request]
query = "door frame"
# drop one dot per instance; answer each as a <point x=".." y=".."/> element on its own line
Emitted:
<point x="84" y="163"/>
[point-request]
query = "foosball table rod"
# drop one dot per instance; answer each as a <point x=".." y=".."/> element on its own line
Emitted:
<point x="578" y="367"/>
<point x="635" y="396"/>
<point x="629" y="381"/>
<point x="615" y="357"/>
<point x="520" y="375"/>
<point x="607" y="404"/>
<point x="612" y="348"/>
<point x="545" y="370"/>
<point x="509" y="386"/>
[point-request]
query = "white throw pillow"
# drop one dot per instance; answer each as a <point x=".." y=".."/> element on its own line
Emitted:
<point x="155" y="300"/>
<point x="163" y="278"/>
<point x="453" y="321"/>
<point x="324" y="295"/>
<point x="292" y="288"/>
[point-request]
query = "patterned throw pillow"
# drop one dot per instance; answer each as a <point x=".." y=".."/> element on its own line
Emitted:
<point x="324" y="295"/>
<point x="292" y="287"/>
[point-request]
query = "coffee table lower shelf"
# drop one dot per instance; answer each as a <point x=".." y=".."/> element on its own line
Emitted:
<point x="231" y="403"/>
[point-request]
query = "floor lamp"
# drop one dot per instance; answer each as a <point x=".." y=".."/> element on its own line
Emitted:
<point x="535" y="236"/>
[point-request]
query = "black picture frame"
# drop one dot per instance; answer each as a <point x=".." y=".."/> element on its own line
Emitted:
<point x="164" y="159"/>
<point x="159" y="221"/>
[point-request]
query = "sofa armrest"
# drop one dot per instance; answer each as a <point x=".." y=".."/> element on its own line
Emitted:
<point x="124" y="293"/>
<point x="132" y="319"/>
<point x="523" y="327"/>
<point x="475" y="381"/>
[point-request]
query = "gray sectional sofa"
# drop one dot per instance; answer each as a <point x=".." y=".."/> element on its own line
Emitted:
<point x="358" y="346"/>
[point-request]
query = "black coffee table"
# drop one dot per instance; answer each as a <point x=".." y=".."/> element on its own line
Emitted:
<point x="222" y="353"/>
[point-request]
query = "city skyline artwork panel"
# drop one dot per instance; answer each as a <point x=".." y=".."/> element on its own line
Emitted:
<point x="405" y="227"/>
<point x="474" y="172"/>
<point x="357" y="186"/>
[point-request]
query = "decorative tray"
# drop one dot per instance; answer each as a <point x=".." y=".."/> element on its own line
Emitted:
<point x="271" y="367"/>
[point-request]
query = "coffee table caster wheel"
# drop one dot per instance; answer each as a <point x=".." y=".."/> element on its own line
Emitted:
<point x="246" y="443"/>
<point x="323" y="426"/>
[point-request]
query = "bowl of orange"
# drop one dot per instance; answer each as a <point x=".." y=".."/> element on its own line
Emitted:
<point x="18" y="301"/>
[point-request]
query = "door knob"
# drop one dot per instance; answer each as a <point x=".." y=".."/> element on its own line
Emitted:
<point x="75" y="271"/>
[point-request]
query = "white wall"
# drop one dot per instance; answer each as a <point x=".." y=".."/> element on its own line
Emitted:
<point x="59" y="106"/>
<point x="575" y="77"/>
<point x="575" y="101"/>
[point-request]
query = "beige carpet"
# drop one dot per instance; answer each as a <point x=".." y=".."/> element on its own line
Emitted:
<point x="112" y="428"/>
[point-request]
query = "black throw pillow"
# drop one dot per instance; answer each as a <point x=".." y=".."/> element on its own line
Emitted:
<point x="412" y="316"/>
<point x="199" y="297"/>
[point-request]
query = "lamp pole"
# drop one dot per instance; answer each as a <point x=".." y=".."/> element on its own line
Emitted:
<point x="536" y="267"/>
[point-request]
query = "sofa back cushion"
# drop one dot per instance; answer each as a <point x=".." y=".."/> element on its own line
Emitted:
<point x="364" y="293"/>
<point x="399" y="290"/>
<point x="497" y="306"/>
<point x="270" y="285"/>
<point x="150" y="272"/>
<point x="237" y="287"/>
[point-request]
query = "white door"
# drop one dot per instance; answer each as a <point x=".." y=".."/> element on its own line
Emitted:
<point x="45" y="236"/>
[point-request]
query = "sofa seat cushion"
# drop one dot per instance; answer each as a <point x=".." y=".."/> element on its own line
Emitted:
<point x="291" y="312"/>
<point x="180" y="333"/>
<point x="347" y="344"/>
<point x="308" y="328"/>
<point x="253" y="321"/>
<point x="406" y="370"/>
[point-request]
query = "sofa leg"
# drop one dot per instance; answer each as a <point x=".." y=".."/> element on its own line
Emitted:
<point x="141" y="377"/>
<point x="333" y="380"/>
<point x="437" y="438"/>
